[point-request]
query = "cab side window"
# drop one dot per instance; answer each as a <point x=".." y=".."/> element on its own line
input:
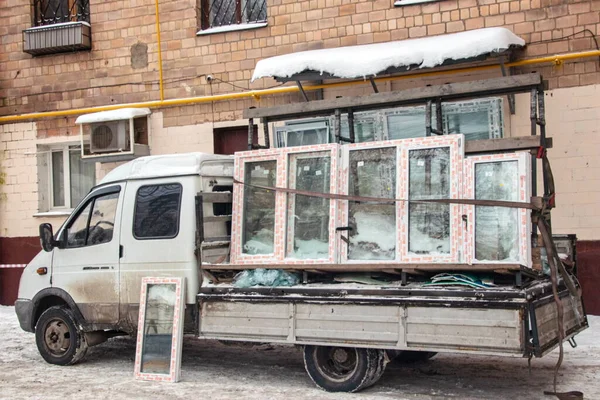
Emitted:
<point x="95" y="223"/>
<point x="157" y="209"/>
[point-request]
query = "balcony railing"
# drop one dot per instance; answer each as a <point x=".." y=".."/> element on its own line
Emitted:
<point x="50" y="12"/>
<point x="59" y="26"/>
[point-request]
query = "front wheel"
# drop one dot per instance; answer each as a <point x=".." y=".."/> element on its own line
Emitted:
<point x="343" y="369"/>
<point x="58" y="338"/>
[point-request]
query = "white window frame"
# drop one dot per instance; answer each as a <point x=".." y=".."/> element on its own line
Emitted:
<point x="65" y="149"/>
<point x="379" y="118"/>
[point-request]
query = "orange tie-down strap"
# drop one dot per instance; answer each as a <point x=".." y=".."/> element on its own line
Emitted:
<point x="535" y="204"/>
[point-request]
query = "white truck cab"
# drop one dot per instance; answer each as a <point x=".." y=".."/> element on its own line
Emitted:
<point x="138" y="221"/>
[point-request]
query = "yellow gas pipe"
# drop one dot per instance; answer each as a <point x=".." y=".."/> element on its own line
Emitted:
<point x="556" y="59"/>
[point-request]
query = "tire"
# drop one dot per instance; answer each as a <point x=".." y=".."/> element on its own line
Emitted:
<point x="411" y="357"/>
<point x="58" y="338"/>
<point x="343" y="369"/>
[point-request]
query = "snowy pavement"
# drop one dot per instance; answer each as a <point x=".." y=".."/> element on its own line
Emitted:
<point x="212" y="370"/>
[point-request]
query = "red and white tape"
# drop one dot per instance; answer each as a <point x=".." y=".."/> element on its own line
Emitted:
<point x="13" y="265"/>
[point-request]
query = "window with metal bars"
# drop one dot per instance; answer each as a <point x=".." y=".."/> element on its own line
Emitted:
<point x="216" y="13"/>
<point x="50" y="12"/>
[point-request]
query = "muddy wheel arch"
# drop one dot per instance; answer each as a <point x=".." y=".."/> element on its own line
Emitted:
<point x="50" y="297"/>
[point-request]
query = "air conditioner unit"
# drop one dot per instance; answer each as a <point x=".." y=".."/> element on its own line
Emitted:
<point x="109" y="137"/>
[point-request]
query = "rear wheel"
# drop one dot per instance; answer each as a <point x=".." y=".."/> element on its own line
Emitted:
<point x="58" y="338"/>
<point x="343" y="369"/>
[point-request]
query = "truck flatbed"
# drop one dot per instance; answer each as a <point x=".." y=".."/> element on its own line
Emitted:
<point x="500" y="321"/>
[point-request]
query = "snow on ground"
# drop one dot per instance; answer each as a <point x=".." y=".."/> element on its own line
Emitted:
<point x="212" y="370"/>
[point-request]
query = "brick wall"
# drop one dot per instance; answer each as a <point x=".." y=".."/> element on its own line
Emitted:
<point x="106" y="75"/>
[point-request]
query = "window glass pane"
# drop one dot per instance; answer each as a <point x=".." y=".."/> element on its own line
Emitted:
<point x="474" y="125"/>
<point x="254" y="10"/>
<point x="58" y="179"/>
<point x="364" y="131"/>
<point x="77" y="231"/>
<point x="407" y="125"/>
<point x="310" y="216"/>
<point x="429" y="178"/>
<point x="259" y="208"/>
<point x="157" y="209"/>
<point x="82" y="175"/>
<point x="54" y="10"/>
<point x="158" y="329"/>
<point x="307" y="137"/>
<point x="102" y="222"/>
<point x="373" y="225"/>
<point x="496" y="228"/>
<point x="223" y="12"/>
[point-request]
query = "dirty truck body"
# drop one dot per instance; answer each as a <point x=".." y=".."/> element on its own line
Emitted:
<point x="145" y="219"/>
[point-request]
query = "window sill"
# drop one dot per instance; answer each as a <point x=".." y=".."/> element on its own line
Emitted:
<point x="231" y="28"/>
<point x="400" y="3"/>
<point x="62" y="213"/>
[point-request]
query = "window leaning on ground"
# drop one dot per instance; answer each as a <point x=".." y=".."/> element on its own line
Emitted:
<point x="71" y="178"/>
<point x="157" y="210"/>
<point x="216" y="13"/>
<point x="50" y="12"/>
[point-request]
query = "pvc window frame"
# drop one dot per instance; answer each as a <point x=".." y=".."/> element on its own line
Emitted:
<point x="330" y="151"/>
<point x="524" y="162"/>
<point x="456" y="145"/>
<point x="280" y="155"/>
<point x="344" y="208"/>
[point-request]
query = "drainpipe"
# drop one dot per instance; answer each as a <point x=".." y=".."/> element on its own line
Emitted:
<point x="160" y="67"/>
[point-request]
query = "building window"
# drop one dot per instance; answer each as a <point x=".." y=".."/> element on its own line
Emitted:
<point x="49" y="12"/>
<point x="217" y="13"/>
<point x="70" y="178"/>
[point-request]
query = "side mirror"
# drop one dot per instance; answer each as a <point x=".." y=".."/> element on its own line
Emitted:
<point x="47" y="237"/>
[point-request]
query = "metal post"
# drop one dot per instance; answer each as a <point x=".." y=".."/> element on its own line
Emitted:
<point x="337" y="126"/>
<point x="438" y="114"/>
<point x="250" y="133"/>
<point x="428" y="118"/>
<point x="374" y="85"/>
<point x="304" y="95"/>
<point x="511" y="97"/>
<point x="265" y="123"/>
<point x="351" y="125"/>
<point x="533" y="116"/>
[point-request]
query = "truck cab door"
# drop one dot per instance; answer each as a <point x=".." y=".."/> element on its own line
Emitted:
<point x="157" y="238"/>
<point x="86" y="264"/>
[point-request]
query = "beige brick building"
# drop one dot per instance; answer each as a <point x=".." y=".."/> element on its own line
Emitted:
<point x="113" y="59"/>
